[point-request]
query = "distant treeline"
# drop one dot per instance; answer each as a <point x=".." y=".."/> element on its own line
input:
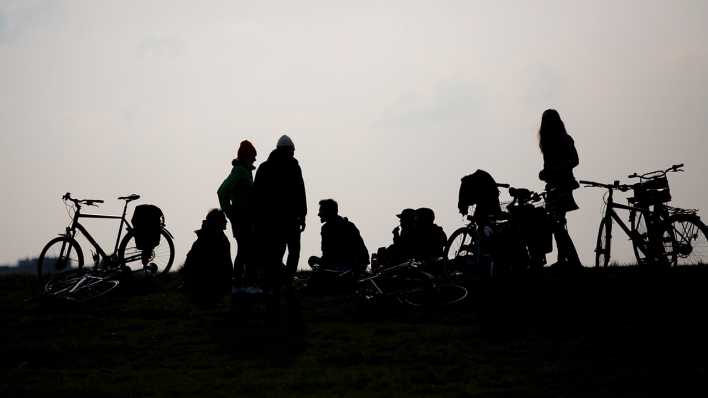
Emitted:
<point x="28" y="265"/>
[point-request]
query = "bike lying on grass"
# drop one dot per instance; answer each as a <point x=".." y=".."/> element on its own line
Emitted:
<point x="660" y="234"/>
<point x="62" y="257"/>
<point x="405" y="283"/>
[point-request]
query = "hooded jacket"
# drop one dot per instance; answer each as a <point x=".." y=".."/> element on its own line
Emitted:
<point x="278" y="194"/>
<point x="235" y="192"/>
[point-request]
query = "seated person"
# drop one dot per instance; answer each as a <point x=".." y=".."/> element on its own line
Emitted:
<point x="207" y="269"/>
<point x="343" y="248"/>
<point x="430" y="239"/>
<point x="403" y="247"/>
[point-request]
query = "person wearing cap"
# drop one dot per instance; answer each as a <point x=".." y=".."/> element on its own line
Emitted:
<point x="343" y="248"/>
<point x="279" y="208"/>
<point x="234" y="198"/>
<point x="403" y="247"/>
<point x="430" y="238"/>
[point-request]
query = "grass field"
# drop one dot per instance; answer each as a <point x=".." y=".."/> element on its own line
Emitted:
<point x="622" y="332"/>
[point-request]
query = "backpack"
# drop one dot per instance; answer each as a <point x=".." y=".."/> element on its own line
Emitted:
<point x="147" y="224"/>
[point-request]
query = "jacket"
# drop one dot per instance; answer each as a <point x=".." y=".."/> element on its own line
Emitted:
<point x="235" y="192"/>
<point x="558" y="164"/>
<point x="342" y="244"/>
<point x="278" y="194"/>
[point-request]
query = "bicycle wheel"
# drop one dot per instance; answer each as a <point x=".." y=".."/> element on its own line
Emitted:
<point x="61" y="283"/>
<point x="461" y="251"/>
<point x="690" y="239"/>
<point x="663" y="250"/>
<point x="59" y="254"/>
<point x="162" y="256"/>
<point x="449" y="293"/>
<point x="90" y="288"/>
<point x="602" y="248"/>
<point x="414" y="288"/>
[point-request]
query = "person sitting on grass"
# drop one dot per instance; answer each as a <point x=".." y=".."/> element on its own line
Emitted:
<point x="343" y="248"/>
<point x="430" y="238"/>
<point x="207" y="269"/>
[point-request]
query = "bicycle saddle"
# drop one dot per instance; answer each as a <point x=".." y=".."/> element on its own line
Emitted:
<point x="129" y="198"/>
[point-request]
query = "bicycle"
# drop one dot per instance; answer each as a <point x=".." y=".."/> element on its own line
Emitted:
<point x="64" y="253"/>
<point x="651" y="231"/>
<point x="476" y="248"/>
<point x="81" y="284"/>
<point x="689" y="232"/>
<point x="407" y="284"/>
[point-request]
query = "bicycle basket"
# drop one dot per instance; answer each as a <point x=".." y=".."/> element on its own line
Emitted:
<point x="652" y="191"/>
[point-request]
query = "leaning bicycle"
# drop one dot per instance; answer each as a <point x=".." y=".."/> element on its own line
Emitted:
<point x="64" y="253"/>
<point x="660" y="234"/>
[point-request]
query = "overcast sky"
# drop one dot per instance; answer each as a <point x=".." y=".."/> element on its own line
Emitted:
<point x="388" y="103"/>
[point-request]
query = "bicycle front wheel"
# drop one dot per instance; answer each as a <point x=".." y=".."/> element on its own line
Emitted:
<point x="449" y="293"/>
<point x="690" y="239"/>
<point x="461" y="251"/>
<point x="602" y="248"/>
<point x="59" y="255"/>
<point x="158" y="260"/>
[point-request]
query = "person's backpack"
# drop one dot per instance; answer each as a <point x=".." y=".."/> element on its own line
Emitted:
<point x="147" y="223"/>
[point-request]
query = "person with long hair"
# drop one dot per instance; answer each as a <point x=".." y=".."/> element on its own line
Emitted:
<point x="559" y="159"/>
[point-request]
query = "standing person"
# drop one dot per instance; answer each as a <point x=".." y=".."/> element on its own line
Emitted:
<point x="234" y="199"/>
<point x="559" y="159"/>
<point x="279" y="208"/>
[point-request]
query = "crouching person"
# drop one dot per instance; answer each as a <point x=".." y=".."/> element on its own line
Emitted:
<point x="343" y="250"/>
<point x="207" y="269"/>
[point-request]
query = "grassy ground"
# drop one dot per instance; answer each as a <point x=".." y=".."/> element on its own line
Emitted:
<point x="623" y="332"/>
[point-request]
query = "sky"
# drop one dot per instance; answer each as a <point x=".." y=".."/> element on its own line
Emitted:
<point x="388" y="103"/>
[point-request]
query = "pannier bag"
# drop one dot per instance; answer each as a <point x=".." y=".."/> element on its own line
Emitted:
<point x="653" y="191"/>
<point x="147" y="223"/>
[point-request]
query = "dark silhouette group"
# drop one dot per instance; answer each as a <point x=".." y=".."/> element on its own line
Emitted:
<point x="267" y="215"/>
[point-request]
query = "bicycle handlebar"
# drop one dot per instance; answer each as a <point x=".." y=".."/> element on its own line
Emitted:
<point x="502" y="185"/>
<point x="615" y="185"/>
<point x="675" y="169"/>
<point x="88" y="202"/>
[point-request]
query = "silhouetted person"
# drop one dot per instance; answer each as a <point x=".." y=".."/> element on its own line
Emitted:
<point x="343" y="248"/>
<point x="403" y="247"/>
<point x="559" y="159"/>
<point x="480" y="189"/>
<point x="430" y="238"/>
<point x="207" y="269"/>
<point x="280" y="207"/>
<point x="234" y="198"/>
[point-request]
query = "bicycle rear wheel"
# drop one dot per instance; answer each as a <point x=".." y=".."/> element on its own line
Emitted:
<point x="690" y="239"/>
<point x="162" y="256"/>
<point x="662" y="251"/>
<point x="449" y="293"/>
<point x="414" y="288"/>
<point x="58" y="255"/>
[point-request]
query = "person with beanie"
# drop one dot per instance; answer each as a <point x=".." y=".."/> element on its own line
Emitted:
<point x="234" y="199"/>
<point x="279" y="208"/>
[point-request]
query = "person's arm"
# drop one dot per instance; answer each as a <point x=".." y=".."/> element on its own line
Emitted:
<point x="224" y="193"/>
<point x="301" y="197"/>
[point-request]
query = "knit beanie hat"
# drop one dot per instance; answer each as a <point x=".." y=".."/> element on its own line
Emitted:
<point x="285" y="141"/>
<point x="246" y="150"/>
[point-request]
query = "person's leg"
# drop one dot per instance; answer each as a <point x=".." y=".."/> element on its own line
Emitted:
<point x="567" y="253"/>
<point x="238" y="271"/>
<point x="293" y="243"/>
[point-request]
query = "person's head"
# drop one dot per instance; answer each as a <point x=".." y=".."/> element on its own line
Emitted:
<point x="246" y="152"/>
<point x="407" y="218"/>
<point x="424" y="216"/>
<point x="215" y="220"/>
<point x="552" y="128"/>
<point x="285" y="144"/>
<point x="328" y="210"/>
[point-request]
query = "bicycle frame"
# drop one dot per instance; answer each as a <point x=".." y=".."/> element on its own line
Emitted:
<point x="611" y="215"/>
<point x="76" y="225"/>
